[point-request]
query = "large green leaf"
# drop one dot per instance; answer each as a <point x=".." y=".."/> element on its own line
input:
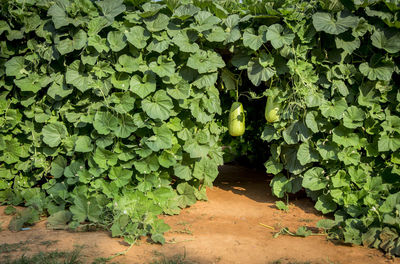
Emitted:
<point x="143" y="86"/>
<point x="162" y="138"/>
<point x="117" y="40"/>
<point x="157" y="22"/>
<point x="84" y="208"/>
<point x="77" y="78"/>
<point x="252" y="41"/>
<point x="205" y="61"/>
<point x="111" y="8"/>
<point x="278" y="36"/>
<point x="258" y="73"/>
<point x="16" y="67"/>
<point x="54" y="133"/>
<point x="105" y="122"/>
<point x="314" y="179"/>
<point x="138" y="36"/>
<point x="83" y="144"/>
<point x="159" y="106"/>
<point x="327" y="23"/>
<point x="377" y="69"/>
<point x="387" y="39"/>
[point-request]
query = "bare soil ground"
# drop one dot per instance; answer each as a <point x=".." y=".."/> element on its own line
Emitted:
<point x="225" y="229"/>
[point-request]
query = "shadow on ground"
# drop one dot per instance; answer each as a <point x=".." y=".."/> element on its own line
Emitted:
<point x="255" y="184"/>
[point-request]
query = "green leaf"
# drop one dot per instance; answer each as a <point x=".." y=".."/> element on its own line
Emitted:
<point x="162" y="138"/>
<point x="314" y="179"/>
<point x="349" y="156"/>
<point x="326" y="224"/>
<point x="98" y="43"/>
<point x="59" y="220"/>
<point x="387" y="39"/>
<point x="180" y="90"/>
<point x="334" y="109"/>
<point x="120" y="176"/>
<point x="32" y="83"/>
<point x="353" y="117"/>
<point x="111" y="8"/>
<point x="128" y="64"/>
<point x="117" y="40"/>
<point x="59" y="89"/>
<point x="78" y="41"/>
<point x="159" y="106"/>
<point x="57" y="166"/>
<point x="302" y="231"/>
<point x="195" y="149"/>
<point x="327" y="23"/>
<point x="186" y="195"/>
<point x="388" y="143"/>
<point x="280" y="185"/>
<point x="183" y="172"/>
<point x="257" y="73"/>
<point x="278" y="36"/>
<point x="27" y="216"/>
<point x="377" y="70"/>
<point x="325" y="204"/>
<point x="252" y="41"/>
<point x="126" y="126"/>
<point x="16" y="67"/>
<point x="296" y="132"/>
<point x="58" y="13"/>
<point x="281" y="206"/>
<point x="138" y="36"/>
<point x="105" y="158"/>
<point x="124" y="102"/>
<point x="205" y="61"/>
<point x="205" y="170"/>
<point x="343" y="136"/>
<point x="184" y="40"/>
<point x="105" y="122"/>
<point x="217" y="34"/>
<point x="143" y="86"/>
<point x="306" y="154"/>
<point x="163" y="67"/>
<point x="10" y="210"/>
<point x="54" y="133"/>
<point x="79" y="79"/>
<point x="273" y="166"/>
<point x="84" y="208"/>
<point x="185" y="11"/>
<point x="83" y="144"/>
<point x="157" y="23"/>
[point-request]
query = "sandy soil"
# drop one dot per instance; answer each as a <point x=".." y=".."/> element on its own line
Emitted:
<point x="226" y="229"/>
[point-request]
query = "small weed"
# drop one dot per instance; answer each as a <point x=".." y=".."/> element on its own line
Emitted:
<point x="184" y="231"/>
<point x="10" y="210"/>
<point x="103" y="261"/>
<point x="7" y="248"/>
<point x="54" y="257"/>
<point x="306" y="220"/>
<point x="280" y="261"/>
<point x="48" y="242"/>
<point x="184" y="223"/>
<point x="177" y="259"/>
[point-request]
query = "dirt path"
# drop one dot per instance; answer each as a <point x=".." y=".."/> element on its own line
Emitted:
<point x="226" y="229"/>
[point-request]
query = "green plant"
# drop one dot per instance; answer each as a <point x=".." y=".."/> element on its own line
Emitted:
<point x="110" y="113"/>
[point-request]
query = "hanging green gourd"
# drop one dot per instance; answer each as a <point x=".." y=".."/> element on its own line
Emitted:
<point x="271" y="110"/>
<point x="236" y="123"/>
<point x="236" y="120"/>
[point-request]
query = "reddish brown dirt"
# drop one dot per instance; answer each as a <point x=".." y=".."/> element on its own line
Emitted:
<point x="226" y="229"/>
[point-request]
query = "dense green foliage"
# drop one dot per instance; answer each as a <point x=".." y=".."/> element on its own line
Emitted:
<point x="110" y="112"/>
<point x="107" y="112"/>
